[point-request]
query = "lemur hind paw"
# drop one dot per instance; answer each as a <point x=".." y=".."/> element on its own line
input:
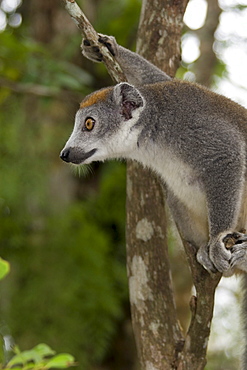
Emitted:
<point x="220" y="251"/>
<point x="225" y="253"/>
<point x="231" y="239"/>
<point x="216" y="256"/>
<point x="239" y="252"/>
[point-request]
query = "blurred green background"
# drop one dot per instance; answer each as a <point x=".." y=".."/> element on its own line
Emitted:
<point x="62" y="233"/>
<point x="62" y="230"/>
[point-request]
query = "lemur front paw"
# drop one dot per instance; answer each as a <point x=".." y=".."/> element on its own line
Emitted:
<point x="110" y="42"/>
<point x="92" y="51"/>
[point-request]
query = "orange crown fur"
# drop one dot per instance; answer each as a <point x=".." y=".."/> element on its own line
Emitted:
<point x="95" y="97"/>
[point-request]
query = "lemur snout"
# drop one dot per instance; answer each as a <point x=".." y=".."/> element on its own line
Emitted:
<point x="76" y="155"/>
<point x="64" y="155"/>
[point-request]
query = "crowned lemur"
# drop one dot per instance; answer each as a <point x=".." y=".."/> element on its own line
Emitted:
<point x="194" y="139"/>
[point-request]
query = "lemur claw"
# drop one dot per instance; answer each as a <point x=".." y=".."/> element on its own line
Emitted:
<point x="86" y="42"/>
<point x="105" y="40"/>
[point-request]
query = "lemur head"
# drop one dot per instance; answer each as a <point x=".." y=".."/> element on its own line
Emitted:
<point x="105" y="125"/>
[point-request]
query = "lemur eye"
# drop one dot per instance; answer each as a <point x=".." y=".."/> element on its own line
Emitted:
<point x="89" y="123"/>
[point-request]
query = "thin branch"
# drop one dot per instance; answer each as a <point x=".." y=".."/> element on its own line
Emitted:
<point x="89" y="32"/>
<point x="194" y="352"/>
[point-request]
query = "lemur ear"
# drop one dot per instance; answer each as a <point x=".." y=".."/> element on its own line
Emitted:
<point x="128" y="98"/>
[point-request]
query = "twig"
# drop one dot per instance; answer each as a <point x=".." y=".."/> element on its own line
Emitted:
<point x="194" y="352"/>
<point x="89" y="33"/>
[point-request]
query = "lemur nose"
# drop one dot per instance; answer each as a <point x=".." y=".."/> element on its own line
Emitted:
<point x="64" y="155"/>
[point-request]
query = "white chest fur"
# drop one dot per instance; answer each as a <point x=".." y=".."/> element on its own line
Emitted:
<point x="180" y="178"/>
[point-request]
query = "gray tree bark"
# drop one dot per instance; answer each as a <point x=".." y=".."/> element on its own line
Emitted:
<point x="205" y="65"/>
<point x="157" y="332"/>
<point x="159" y="339"/>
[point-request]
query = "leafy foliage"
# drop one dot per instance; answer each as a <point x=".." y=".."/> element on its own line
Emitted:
<point x="4" y="268"/>
<point x="41" y="357"/>
<point x="63" y="236"/>
<point x="27" y="62"/>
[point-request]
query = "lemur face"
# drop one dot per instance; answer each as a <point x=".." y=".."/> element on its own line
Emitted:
<point x="105" y="126"/>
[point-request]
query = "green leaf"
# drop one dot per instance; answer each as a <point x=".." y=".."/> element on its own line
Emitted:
<point x="16" y="360"/>
<point x="43" y="350"/>
<point x="61" y="361"/>
<point x="25" y="357"/>
<point x="34" y="355"/>
<point x="4" y="268"/>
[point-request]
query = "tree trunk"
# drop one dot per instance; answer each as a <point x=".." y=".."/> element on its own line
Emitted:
<point x="205" y="65"/>
<point x="155" y="323"/>
<point x="157" y="333"/>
